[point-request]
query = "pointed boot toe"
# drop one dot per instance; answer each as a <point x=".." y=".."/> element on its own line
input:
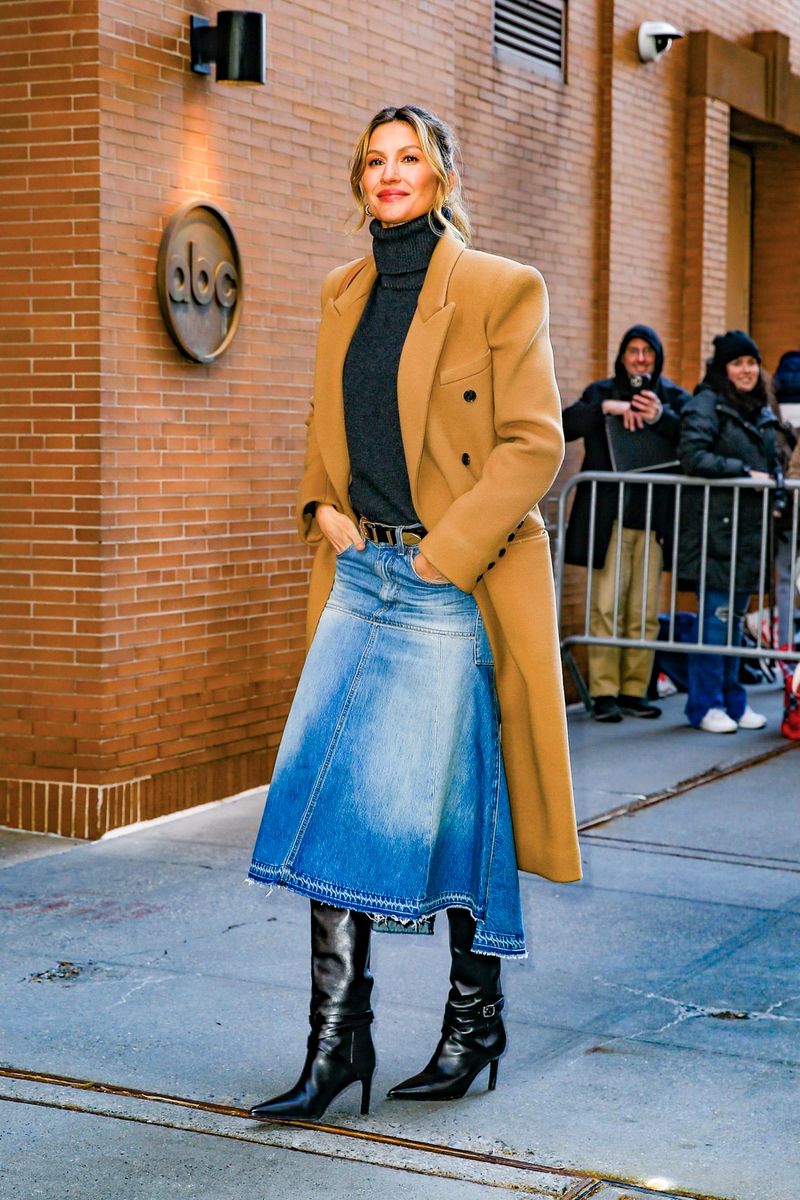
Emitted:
<point x="437" y="1085"/>
<point x="339" y="1049"/>
<point x="473" y="1036"/>
<point x="332" y="1064"/>
<point x="290" y="1104"/>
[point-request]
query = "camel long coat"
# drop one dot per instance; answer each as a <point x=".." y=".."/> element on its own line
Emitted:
<point x="481" y="424"/>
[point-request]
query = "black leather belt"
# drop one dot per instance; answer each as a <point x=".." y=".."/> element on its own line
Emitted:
<point x="390" y="535"/>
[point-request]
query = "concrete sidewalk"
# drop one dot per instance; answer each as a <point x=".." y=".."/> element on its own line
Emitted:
<point x="653" y="1032"/>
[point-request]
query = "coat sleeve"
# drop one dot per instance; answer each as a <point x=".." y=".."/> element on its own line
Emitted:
<point x="530" y="440"/>
<point x="584" y="417"/>
<point x="699" y="433"/>
<point x="315" y="486"/>
<point x="673" y="399"/>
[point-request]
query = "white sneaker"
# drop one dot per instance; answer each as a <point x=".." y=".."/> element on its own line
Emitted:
<point x="752" y="720"/>
<point x="717" y="721"/>
<point x="665" y="687"/>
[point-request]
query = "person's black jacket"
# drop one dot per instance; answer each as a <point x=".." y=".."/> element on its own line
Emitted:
<point x="719" y="442"/>
<point x="786" y="386"/>
<point x="585" y="419"/>
<point x="786" y="380"/>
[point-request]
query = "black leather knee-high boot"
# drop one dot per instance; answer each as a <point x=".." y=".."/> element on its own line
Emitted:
<point x="340" y="1050"/>
<point x="473" y="1036"/>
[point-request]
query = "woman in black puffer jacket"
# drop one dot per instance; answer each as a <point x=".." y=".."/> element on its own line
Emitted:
<point x="727" y="431"/>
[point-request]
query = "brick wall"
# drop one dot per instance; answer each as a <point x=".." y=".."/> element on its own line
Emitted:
<point x="705" y="231"/>
<point x="151" y="602"/>
<point x="197" y="597"/>
<point x="50" y="503"/>
<point x="661" y="196"/>
<point x="775" y="299"/>
<point x="656" y="185"/>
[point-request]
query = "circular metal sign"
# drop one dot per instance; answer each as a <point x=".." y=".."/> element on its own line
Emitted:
<point x="200" y="280"/>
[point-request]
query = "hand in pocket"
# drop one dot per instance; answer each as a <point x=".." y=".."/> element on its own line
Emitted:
<point x="427" y="571"/>
<point x="338" y="529"/>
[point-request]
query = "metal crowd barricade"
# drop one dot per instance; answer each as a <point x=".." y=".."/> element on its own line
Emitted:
<point x="678" y="483"/>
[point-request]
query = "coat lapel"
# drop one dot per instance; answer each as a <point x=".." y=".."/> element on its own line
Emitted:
<point x="421" y="353"/>
<point x="339" y="321"/>
<point x="418" y="362"/>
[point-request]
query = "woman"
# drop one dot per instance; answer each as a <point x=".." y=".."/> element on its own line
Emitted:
<point x="727" y="431"/>
<point x="435" y="430"/>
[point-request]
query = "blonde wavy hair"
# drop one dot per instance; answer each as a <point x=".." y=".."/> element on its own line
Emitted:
<point x="440" y="148"/>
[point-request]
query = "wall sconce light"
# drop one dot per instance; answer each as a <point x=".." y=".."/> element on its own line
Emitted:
<point x="237" y="45"/>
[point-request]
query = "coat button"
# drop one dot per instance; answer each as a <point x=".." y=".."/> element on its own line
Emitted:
<point x="522" y="522"/>
<point x="500" y="553"/>
<point x="511" y="537"/>
<point x="465" y="458"/>
<point x="491" y="564"/>
<point x="469" y="395"/>
<point x="480" y="577"/>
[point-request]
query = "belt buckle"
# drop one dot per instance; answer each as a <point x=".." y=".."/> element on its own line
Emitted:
<point x="373" y="531"/>
<point x="367" y="529"/>
<point x="409" y="538"/>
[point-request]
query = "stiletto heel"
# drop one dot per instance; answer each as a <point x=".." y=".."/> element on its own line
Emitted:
<point x="473" y="1036"/>
<point x="340" y="1050"/>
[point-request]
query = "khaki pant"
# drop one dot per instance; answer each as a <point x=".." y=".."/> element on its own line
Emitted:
<point x="613" y="669"/>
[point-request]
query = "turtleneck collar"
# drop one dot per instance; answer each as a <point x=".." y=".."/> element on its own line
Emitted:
<point x="402" y="250"/>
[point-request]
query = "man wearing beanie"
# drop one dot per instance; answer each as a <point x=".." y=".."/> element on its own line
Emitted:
<point x="641" y="396"/>
<point x="728" y="431"/>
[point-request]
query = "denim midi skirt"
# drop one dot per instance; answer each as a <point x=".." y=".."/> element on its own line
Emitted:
<point x="389" y="794"/>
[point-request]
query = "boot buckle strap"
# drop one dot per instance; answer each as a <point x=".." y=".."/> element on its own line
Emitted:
<point x="491" y="1010"/>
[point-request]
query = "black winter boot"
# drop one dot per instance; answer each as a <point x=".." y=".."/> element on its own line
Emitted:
<point x="340" y="1050"/>
<point x="473" y="1036"/>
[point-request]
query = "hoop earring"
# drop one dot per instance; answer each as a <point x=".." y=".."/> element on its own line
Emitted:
<point x="368" y="210"/>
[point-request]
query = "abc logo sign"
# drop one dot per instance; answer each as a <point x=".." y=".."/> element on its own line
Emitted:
<point x="200" y="281"/>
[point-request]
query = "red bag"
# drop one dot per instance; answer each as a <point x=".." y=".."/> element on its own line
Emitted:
<point x="790" y="726"/>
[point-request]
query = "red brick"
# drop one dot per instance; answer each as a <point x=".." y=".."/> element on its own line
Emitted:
<point x="154" y="592"/>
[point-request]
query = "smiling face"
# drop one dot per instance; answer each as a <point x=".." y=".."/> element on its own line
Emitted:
<point x="743" y="372"/>
<point x="639" y="357"/>
<point x="399" y="183"/>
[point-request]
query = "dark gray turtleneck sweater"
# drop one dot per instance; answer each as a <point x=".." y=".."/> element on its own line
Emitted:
<point x="379" y="488"/>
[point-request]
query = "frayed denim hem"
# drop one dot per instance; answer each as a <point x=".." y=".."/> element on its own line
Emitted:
<point x="381" y="923"/>
<point x="486" y="944"/>
<point x="251" y="882"/>
<point x="494" y="944"/>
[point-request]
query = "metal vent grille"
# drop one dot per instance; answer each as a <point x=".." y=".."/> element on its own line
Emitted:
<point x="532" y="31"/>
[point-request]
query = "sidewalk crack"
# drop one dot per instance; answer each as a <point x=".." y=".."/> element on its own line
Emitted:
<point x="686" y="1010"/>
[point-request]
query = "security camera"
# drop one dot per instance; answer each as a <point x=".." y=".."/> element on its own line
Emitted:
<point x="655" y="38"/>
